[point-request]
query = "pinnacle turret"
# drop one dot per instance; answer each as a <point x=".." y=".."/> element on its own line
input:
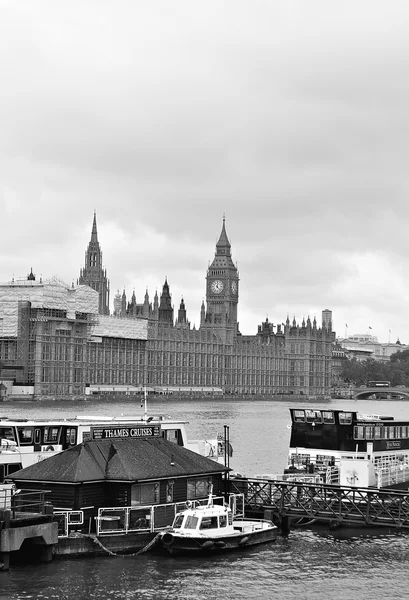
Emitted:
<point x="93" y="274"/>
<point x="94" y="232"/>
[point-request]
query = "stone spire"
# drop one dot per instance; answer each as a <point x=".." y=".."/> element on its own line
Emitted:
<point x="93" y="274"/>
<point x="223" y="245"/>
<point x="94" y="232"/>
<point x="165" y="305"/>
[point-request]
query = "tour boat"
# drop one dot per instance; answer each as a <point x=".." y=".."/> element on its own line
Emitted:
<point x="212" y="528"/>
<point x="349" y="448"/>
<point x="24" y="442"/>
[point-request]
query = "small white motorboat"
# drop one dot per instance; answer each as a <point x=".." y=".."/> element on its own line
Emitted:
<point x="211" y="528"/>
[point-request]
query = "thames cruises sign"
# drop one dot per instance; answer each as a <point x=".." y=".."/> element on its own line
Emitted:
<point x="103" y="433"/>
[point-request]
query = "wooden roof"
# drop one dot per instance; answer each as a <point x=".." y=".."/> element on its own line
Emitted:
<point x="119" y="460"/>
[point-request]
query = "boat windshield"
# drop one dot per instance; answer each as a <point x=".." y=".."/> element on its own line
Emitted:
<point x="177" y="523"/>
<point x="209" y="523"/>
<point x="6" y="433"/>
<point x="191" y="522"/>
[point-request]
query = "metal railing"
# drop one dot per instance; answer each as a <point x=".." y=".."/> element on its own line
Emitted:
<point x="324" y="502"/>
<point x="392" y="475"/>
<point x="134" y="519"/>
<point x="22" y="501"/>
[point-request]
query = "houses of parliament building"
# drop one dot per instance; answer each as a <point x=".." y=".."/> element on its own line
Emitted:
<point x="60" y="341"/>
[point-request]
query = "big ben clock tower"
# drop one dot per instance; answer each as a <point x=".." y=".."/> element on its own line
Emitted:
<point x="222" y="290"/>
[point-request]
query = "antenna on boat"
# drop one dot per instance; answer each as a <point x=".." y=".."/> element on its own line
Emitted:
<point x="145" y="404"/>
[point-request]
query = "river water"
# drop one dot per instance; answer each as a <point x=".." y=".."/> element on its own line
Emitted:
<point x="309" y="564"/>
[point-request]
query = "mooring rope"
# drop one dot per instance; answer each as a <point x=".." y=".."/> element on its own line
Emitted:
<point x="145" y="549"/>
<point x="151" y="543"/>
<point x="96" y="541"/>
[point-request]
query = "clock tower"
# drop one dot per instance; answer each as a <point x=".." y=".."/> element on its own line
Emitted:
<point x="222" y="290"/>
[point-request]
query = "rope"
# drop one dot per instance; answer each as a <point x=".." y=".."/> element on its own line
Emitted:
<point x="151" y="543"/>
<point x="145" y="549"/>
<point x="96" y="541"/>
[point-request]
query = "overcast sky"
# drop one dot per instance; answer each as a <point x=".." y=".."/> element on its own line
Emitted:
<point x="291" y="117"/>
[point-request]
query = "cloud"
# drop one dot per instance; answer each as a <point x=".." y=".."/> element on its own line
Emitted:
<point x="289" y="117"/>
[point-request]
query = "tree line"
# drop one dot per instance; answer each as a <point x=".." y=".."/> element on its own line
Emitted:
<point x="396" y="370"/>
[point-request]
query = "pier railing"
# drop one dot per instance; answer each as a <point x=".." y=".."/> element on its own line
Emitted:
<point x="323" y="502"/>
<point x="134" y="519"/>
<point x="22" y="501"/>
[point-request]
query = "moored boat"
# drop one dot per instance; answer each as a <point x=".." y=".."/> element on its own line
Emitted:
<point x="349" y="448"/>
<point x="24" y="442"/>
<point x="212" y="528"/>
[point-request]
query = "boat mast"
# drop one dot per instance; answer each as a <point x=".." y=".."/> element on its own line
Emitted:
<point x="145" y="404"/>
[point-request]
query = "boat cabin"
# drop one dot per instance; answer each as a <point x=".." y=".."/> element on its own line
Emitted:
<point x="211" y="520"/>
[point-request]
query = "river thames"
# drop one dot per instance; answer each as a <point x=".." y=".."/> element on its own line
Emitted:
<point x="309" y="564"/>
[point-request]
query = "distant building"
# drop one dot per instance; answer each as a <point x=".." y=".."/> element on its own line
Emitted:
<point x="362" y="346"/>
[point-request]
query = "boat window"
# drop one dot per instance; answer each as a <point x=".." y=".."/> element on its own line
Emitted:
<point x="208" y="523"/>
<point x="71" y="436"/>
<point x="51" y="435"/>
<point x="404" y="431"/>
<point x="173" y="435"/>
<point x="177" y="523"/>
<point x="6" y="433"/>
<point x="358" y="432"/>
<point x="223" y="521"/>
<point x="198" y="488"/>
<point x="377" y="433"/>
<point x="191" y="522"/>
<point x="299" y="416"/>
<point x="345" y="418"/>
<point x="313" y="416"/>
<point x="37" y="436"/>
<point x="328" y="416"/>
<point x="25" y="435"/>
<point x="13" y="468"/>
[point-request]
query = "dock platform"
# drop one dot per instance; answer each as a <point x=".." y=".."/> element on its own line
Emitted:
<point x="26" y="520"/>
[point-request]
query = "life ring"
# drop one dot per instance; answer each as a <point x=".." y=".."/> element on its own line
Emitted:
<point x="49" y="449"/>
<point x="140" y="523"/>
<point x="188" y="504"/>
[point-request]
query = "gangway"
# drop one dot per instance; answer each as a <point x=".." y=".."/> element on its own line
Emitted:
<point x="325" y="503"/>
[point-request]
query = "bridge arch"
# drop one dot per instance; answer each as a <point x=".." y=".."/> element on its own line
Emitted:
<point x="363" y="393"/>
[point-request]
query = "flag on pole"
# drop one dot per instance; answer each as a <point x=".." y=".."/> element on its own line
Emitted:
<point x="370" y="327"/>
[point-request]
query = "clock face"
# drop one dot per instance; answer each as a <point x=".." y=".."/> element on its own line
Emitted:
<point x="234" y="287"/>
<point x="217" y="286"/>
